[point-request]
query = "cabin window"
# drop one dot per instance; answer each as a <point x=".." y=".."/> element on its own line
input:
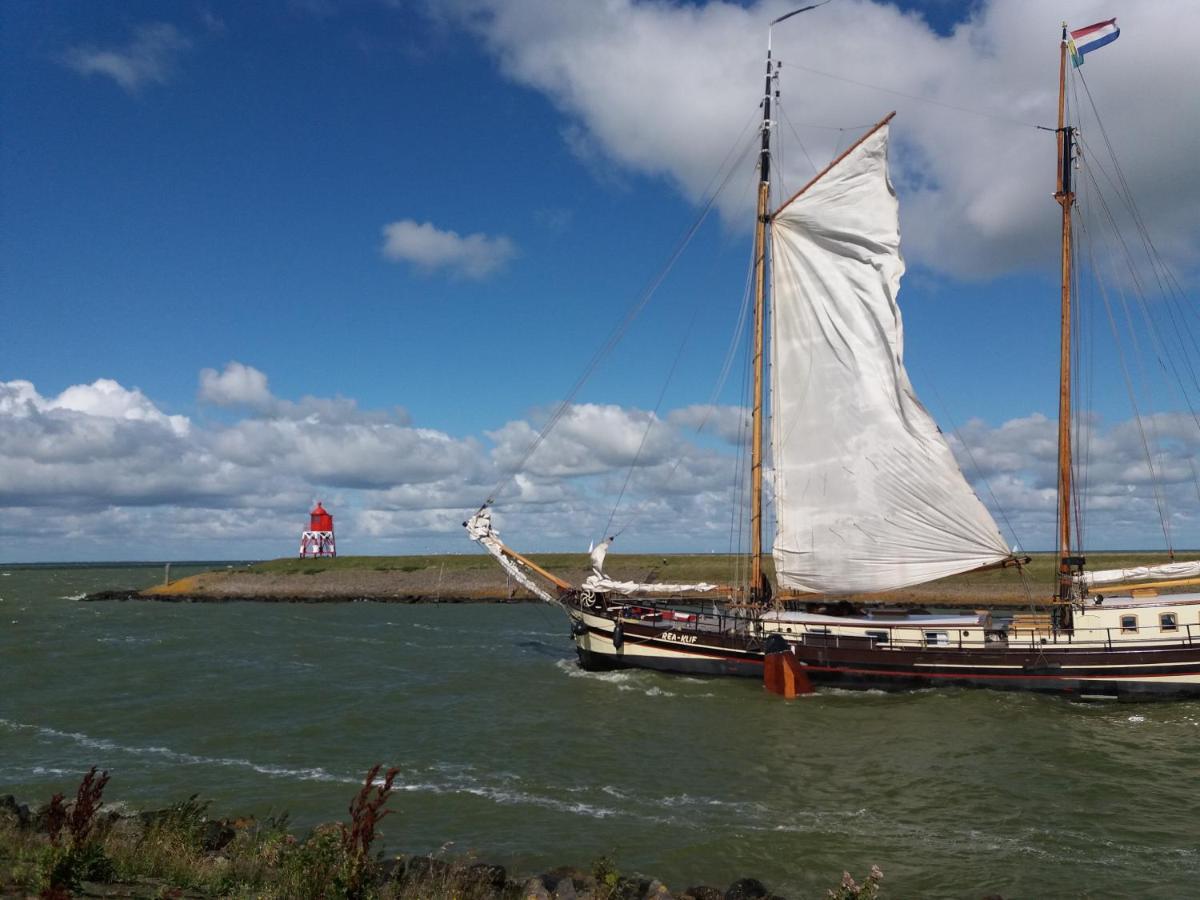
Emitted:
<point x="788" y="629"/>
<point x="937" y="638"/>
<point x="1129" y="624"/>
<point x="1168" y="622"/>
<point x="879" y="637"/>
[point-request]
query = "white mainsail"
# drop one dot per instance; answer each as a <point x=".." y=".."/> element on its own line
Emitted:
<point x="868" y="494"/>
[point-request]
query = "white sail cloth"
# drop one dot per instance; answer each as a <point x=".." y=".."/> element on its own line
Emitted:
<point x="479" y="528"/>
<point x="1164" y="572"/>
<point x="604" y="584"/>
<point x="868" y="495"/>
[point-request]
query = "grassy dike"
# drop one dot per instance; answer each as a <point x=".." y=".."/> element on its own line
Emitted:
<point x="83" y="848"/>
<point x="476" y="578"/>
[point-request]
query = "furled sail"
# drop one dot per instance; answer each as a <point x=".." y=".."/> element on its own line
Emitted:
<point x="479" y="528"/>
<point x="602" y="584"/>
<point x="1163" y="572"/>
<point x="868" y="494"/>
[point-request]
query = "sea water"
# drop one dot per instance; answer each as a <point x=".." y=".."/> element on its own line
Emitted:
<point x="506" y="749"/>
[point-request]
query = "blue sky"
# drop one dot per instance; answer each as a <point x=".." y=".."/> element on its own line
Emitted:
<point x="392" y="232"/>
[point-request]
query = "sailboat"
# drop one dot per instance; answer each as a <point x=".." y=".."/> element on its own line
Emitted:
<point x="869" y="498"/>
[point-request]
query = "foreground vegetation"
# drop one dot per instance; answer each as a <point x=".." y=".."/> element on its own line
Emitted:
<point x="82" y="848"/>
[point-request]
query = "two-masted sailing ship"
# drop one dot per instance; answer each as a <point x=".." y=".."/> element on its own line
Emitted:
<point x="868" y="496"/>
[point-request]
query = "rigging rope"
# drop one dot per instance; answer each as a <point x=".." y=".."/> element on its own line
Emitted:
<point x="1165" y="359"/>
<point x="1081" y="395"/>
<point x="1168" y="284"/>
<point x="658" y="404"/>
<point x="1181" y="339"/>
<point x="731" y="355"/>
<point x="614" y="337"/>
<point x="1159" y="499"/>
<point x="646" y="433"/>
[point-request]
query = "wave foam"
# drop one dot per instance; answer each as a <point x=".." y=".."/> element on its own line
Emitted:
<point x="176" y="756"/>
<point x="571" y="668"/>
<point x="457" y="785"/>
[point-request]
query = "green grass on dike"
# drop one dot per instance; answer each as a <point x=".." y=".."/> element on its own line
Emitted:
<point x="716" y="567"/>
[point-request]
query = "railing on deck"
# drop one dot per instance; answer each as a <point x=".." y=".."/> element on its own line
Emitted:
<point x="1038" y="634"/>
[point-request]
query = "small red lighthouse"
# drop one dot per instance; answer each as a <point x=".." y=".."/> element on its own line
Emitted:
<point x="318" y="540"/>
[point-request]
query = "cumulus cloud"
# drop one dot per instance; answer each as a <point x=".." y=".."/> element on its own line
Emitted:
<point x="237" y="385"/>
<point x="588" y="439"/>
<point x="149" y="57"/>
<point x="430" y="248"/>
<point x="103" y="446"/>
<point x="974" y="186"/>
<point x="1128" y="496"/>
<point x="101" y="466"/>
<point x="730" y="423"/>
<point x="103" y="399"/>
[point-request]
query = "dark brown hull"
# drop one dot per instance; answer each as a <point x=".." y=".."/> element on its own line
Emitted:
<point x="1144" y="673"/>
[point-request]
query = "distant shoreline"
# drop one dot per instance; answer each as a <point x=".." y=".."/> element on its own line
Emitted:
<point x="407" y="599"/>
<point x="476" y="578"/>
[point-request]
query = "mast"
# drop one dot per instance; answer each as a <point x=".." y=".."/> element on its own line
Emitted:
<point x="1065" y="197"/>
<point x="760" y="290"/>
<point x="758" y="585"/>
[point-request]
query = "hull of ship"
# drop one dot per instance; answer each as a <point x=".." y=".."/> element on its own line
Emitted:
<point x="1164" y="672"/>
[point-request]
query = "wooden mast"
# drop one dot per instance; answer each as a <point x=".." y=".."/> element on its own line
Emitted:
<point x="760" y="290"/>
<point x="1065" y="197"/>
<point x="759" y="587"/>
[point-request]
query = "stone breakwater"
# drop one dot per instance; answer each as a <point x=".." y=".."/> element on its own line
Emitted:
<point x="330" y="586"/>
<point x="100" y="596"/>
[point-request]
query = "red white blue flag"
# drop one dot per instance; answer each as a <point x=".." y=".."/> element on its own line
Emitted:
<point x="1085" y="40"/>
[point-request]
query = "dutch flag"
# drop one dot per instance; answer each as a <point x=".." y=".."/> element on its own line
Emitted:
<point x="1085" y="40"/>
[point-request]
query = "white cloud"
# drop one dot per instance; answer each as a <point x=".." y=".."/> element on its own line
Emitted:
<point x="1124" y="495"/>
<point x="588" y="439"/>
<point x="148" y="58"/>
<point x="730" y="423"/>
<point x="664" y="90"/>
<point x="101" y="444"/>
<point x="237" y="385"/>
<point x="102" y="399"/>
<point x="100" y="469"/>
<point x="245" y="387"/>
<point x="428" y="247"/>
